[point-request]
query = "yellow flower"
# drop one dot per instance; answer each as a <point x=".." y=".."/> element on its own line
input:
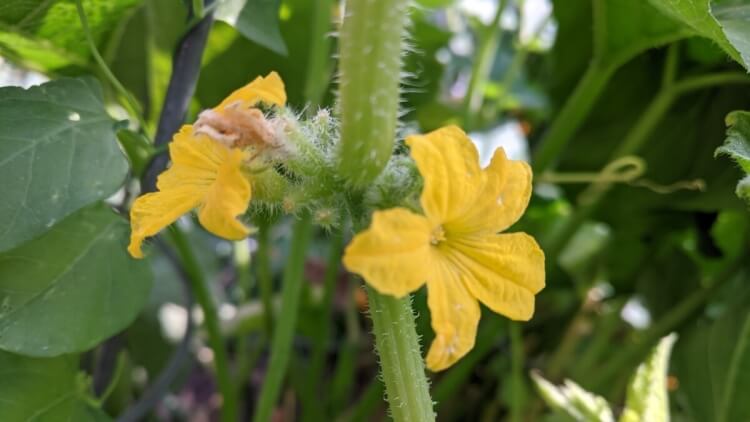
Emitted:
<point x="205" y="174"/>
<point x="455" y="247"/>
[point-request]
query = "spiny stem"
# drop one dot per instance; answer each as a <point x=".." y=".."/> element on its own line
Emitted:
<point x="130" y="102"/>
<point x="281" y="346"/>
<point x="199" y="287"/>
<point x="400" y="359"/>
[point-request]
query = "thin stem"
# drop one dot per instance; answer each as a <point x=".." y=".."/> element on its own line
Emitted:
<point x="198" y="9"/>
<point x="516" y="373"/>
<point x="202" y="294"/>
<point x="265" y="278"/>
<point x="571" y="116"/>
<point x="490" y="38"/>
<point x="400" y="358"/>
<point x="281" y="346"/>
<point x="321" y="340"/>
<point x="130" y="102"/>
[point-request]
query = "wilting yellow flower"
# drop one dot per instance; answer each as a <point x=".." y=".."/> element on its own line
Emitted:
<point x="455" y="247"/>
<point x="206" y="171"/>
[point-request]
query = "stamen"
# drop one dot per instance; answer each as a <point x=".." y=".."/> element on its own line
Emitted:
<point x="437" y="235"/>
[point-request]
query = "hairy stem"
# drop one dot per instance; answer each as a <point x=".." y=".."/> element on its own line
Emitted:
<point x="281" y="346"/>
<point x="400" y="358"/>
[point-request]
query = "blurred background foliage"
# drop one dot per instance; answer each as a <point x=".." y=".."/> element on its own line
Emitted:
<point x="572" y="85"/>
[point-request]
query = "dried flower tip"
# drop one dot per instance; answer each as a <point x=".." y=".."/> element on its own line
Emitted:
<point x="237" y="128"/>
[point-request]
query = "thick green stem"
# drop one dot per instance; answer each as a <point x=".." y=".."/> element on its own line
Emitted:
<point x="572" y="115"/>
<point x="281" y="347"/>
<point x="200" y="289"/>
<point x="400" y="357"/>
<point x="372" y="39"/>
<point x="490" y="38"/>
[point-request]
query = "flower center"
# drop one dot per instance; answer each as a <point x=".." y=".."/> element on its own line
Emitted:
<point x="437" y="235"/>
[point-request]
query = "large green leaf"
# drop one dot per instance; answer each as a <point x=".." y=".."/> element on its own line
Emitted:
<point x="37" y="389"/>
<point x="71" y="288"/>
<point x="258" y="20"/>
<point x="58" y="153"/>
<point x="626" y="28"/>
<point x="726" y="22"/>
<point x="737" y="146"/>
<point x="47" y="35"/>
<point x="647" y="398"/>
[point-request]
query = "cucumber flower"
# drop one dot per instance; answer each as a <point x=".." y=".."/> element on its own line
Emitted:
<point x="207" y="166"/>
<point x="454" y="247"/>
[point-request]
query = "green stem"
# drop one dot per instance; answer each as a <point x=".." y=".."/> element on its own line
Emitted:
<point x="321" y="340"/>
<point x="490" y="38"/>
<point x="265" y="278"/>
<point x="281" y="346"/>
<point x="198" y="9"/>
<point x="516" y="373"/>
<point x="572" y="115"/>
<point x="200" y="289"/>
<point x="401" y="362"/>
<point x="372" y="40"/>
<point x="130" y="103"/>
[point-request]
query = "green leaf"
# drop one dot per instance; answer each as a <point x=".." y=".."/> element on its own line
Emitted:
<point x="647" y="398"/>
<point x="572" y="400"/>
<point x="36" y="389"/>
<point x="47" y="35"/>
<point x="625" y="28"/>
<point x="257" y="20"/>
<point x="725" y="22"/>
<point x="58" y="153"/>
<point x="71" y="288"/>
<point x="737" y="147"/>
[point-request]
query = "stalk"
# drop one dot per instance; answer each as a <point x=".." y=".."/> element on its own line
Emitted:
<point x="400" y="358"/>
<point x="372" y="39"/>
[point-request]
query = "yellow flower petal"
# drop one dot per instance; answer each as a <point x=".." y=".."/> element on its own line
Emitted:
<point x="269" y="90"/>
<point x="154" y="211"/>
<point x="449" y="165"/>
<point x="204" y="174"/>
<point x="226" y="199"/>
<point x="503" y="200"/>
<point x="454" y="315"/>
<point x="504" y="271"/>
<point x="393" y="255"/>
